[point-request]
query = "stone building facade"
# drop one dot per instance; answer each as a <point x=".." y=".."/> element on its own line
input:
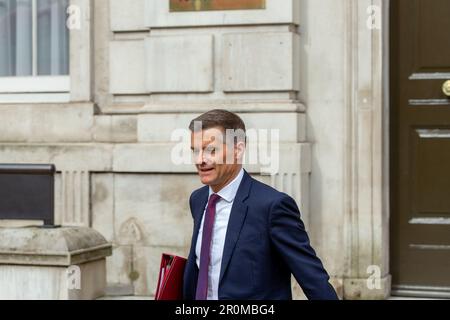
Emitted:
<point x="314" y="70"/>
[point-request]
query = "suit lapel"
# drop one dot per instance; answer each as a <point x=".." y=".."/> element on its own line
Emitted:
<point x="198" y="204"/>
<point x="199" y="208"/>
<point x="236" y="221"/>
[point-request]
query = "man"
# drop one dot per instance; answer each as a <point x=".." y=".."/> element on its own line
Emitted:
<point x="248" y="238"/>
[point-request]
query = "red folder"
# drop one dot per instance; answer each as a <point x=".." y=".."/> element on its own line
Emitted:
<point x="170" y="280"/>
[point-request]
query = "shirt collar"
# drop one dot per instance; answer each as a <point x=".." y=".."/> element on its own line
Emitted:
<point x="228" y="193"/>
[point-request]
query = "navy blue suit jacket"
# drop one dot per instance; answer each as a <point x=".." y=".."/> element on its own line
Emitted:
<point x="265" y="243"/>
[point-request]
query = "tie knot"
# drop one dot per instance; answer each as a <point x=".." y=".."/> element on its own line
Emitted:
<point x="214" y="199"/>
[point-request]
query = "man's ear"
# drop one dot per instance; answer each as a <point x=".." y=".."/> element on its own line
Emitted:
<point x="239" y="151"/>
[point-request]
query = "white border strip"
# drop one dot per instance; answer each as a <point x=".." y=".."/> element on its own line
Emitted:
<point x="40" y="84"/>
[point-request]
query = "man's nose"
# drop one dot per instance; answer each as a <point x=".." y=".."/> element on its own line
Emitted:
<point x="198" y="158"/>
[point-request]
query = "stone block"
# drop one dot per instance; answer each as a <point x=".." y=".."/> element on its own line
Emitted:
<point x="102" y="204"/>
<point x="47" y="122"/>
<point x="119" y="267"/>
<point x="180" y="63"/>
<point x="153" y="210"/>
<point x="148" y="157"/>
<point x="358" y="289"/>
<point x="115" y="129"/>
<point x="52" y="264"/>
<point x="127" y="16"/>
<point x="75" y="157"/>
<point x="127" y="67"/>
<point x="260" y="62"/>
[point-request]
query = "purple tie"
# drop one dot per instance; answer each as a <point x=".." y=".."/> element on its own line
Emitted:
<point x="208" y="224"/>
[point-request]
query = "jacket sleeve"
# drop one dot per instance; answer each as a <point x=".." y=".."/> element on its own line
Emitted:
<point x="190" y="273"/>
<point x="190" y="204"/>
<point x="291" y="241"/>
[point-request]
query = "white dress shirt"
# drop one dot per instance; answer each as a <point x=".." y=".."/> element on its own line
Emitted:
<point x="223" y="210"/>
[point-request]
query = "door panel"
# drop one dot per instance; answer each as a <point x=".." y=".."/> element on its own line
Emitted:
<point x="420" y="146"/>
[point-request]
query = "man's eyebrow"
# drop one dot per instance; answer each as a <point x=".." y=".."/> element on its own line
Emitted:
<point x="205" y="145"/>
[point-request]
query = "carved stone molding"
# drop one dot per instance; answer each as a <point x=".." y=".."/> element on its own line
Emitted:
<point x="366" y="218"/>
<point x="73" y="200"/>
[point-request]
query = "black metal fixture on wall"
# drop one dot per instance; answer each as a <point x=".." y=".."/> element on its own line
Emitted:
<point x="27" y="192"/>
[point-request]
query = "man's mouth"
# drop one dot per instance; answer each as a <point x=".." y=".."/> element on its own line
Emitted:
<point x="204" y="170"/>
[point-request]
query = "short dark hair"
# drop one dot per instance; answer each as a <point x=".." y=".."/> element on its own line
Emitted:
<point x="220" y="118"/>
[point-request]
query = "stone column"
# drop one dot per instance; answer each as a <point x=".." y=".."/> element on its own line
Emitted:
<point x="366" y="176"/>
<point x="52" y="264"/>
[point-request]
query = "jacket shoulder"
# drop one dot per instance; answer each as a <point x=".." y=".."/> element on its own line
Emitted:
<point x="266" y="192"/>
<point x="196" y="195"/>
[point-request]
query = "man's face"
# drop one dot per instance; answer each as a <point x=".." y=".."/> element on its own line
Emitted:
<point x="216" y="161"/>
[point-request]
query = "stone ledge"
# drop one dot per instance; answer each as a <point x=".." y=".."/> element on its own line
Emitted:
<point x="64" y="122"/>
<point x="159" y="128"/>
<point x="133" y="157"/>
<point x="51" y="247"/>
<point x="183" y="107"/>
<point x="65" y="156"/>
